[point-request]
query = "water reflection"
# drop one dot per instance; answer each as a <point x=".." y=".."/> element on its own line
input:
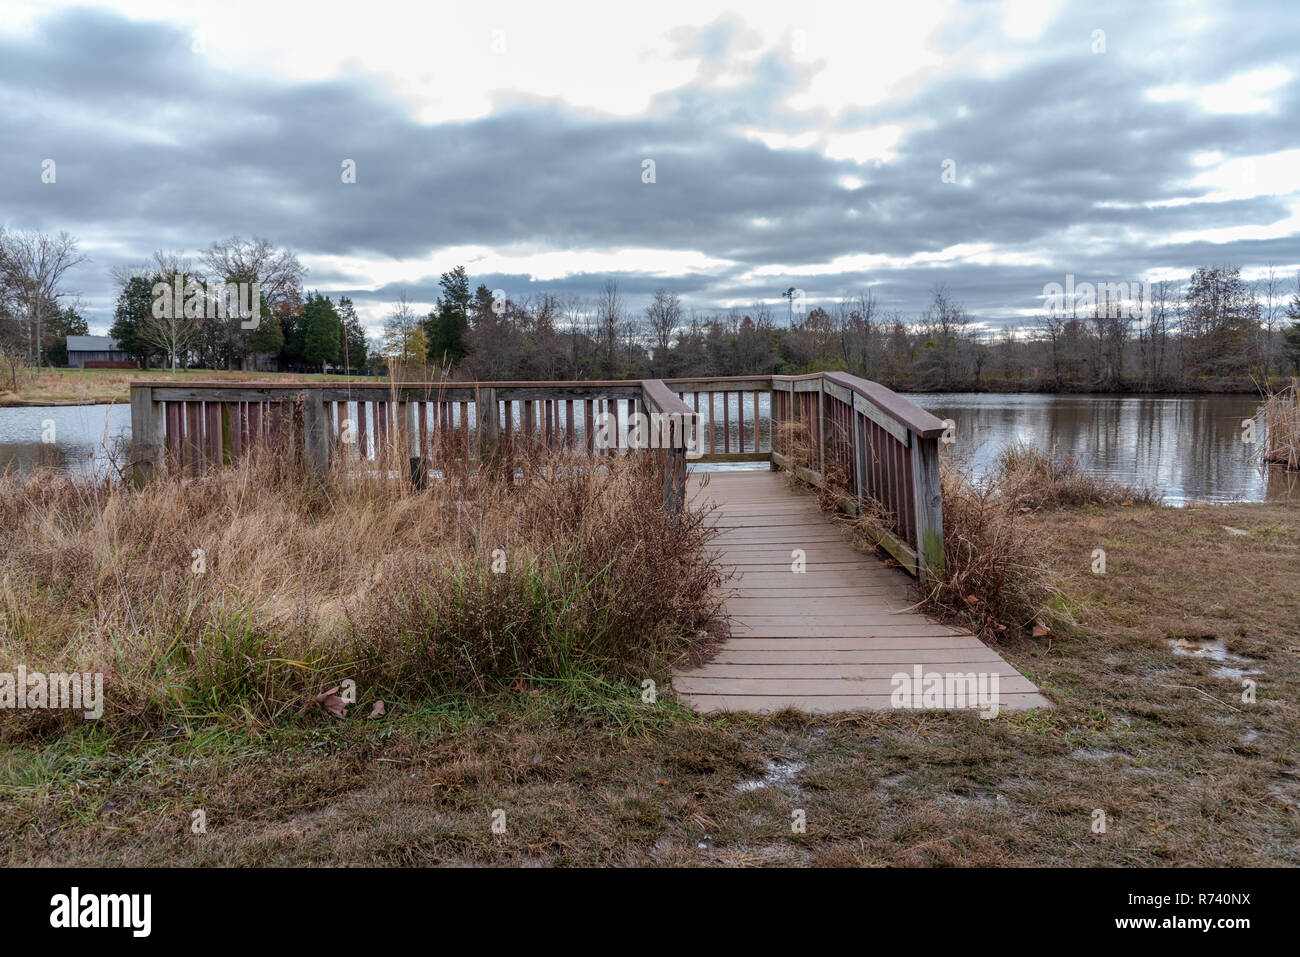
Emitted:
<point x="1189" y="448"/>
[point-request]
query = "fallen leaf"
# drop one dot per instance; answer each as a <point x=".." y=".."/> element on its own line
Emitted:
<point x="331" y="702"/>
<point x="971" y="600"/>
<point x="1041" y="630"/>
<point x="378" y="710"/>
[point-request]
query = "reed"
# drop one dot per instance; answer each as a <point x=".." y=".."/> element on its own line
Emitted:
<point x="1281" y="445"/>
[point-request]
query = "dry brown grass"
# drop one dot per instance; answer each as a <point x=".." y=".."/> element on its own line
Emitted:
<point x="1186" y="773"/>
<point x="476" y="583"/>
<point x="1026" y="477"/>
<point x="993" y="580"/>
<point x="1282" y="413"/>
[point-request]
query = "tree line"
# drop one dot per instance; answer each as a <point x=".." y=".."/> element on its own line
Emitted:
<point x="1214" y="332"/>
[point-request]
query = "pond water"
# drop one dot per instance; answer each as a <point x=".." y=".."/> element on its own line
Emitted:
<point x="1189" y="448"/>
<point x="81" y="438"/>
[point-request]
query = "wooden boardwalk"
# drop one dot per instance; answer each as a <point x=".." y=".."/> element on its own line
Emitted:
<point x="828" y="639"/>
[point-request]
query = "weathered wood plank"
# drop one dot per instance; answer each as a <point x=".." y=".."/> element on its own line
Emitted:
<point x="798" y="687"/>
<point x="830" y="704"/>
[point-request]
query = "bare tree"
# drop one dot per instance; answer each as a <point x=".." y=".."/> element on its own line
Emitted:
<point x="34" y="264"/>
<point x="664" y="315"/>
<point x="610" y="313"/>
<point x="1272" y="308"/>
<point x="277" y="272"/>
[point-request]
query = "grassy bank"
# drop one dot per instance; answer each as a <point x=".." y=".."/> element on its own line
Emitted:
<point x="102" y="386"/>
<point x="1146" y="726"/>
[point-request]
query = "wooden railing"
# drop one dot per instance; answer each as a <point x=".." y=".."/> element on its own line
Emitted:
<point x="873" y="446"/>
<point x="195" y="426"/>
<point x="870" y="444"/>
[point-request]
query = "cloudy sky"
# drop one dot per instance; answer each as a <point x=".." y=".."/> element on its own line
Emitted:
<point x="990" y="146"/>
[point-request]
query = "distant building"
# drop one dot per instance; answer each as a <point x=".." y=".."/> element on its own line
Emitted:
<point x="97" y="352"/>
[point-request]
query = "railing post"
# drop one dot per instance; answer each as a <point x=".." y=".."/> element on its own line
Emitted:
<point x="487" y="419"/>
<point x="419" y="472"/>
<point x="316" y="431"/>
<point x="146" y="434"/>
<point x="859" y="449"/>
<point x="821" y="427"/>
<point x="772" y="428"/>
<point x="929" y="506"/>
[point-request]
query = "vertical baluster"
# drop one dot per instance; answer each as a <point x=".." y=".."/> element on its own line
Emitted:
<point x="712" y="446"/>
<point x="726" y="422"/>
<point x="424" y="431"/>
<point x="172" y="420"/>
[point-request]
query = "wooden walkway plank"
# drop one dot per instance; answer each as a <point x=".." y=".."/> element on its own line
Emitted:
<point x="829" y="632"/>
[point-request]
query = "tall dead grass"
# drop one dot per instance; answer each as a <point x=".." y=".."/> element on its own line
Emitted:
<point x="1282" y="414"/>
<point x="1026" y="477"/>
<point x="247" y="592"/>
<point x="993" y="579"/>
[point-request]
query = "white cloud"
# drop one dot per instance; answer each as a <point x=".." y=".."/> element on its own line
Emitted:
<point x="1243" y="93"/>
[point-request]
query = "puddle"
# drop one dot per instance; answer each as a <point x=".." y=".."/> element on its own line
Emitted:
<point x="1213" y="649"/>
<point x="778" y="773"/>
<point x="1235" y="674"/>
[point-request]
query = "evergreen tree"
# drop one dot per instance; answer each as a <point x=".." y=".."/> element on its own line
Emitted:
<point x="62" y="324"/>
<point x="447" y="325"/>
<point x="134" y="304"/>
<point x="354" y="336"/>
<point x="321" y="331"/>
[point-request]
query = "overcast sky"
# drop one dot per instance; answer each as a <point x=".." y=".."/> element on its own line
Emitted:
<point x="794" y="144"/>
